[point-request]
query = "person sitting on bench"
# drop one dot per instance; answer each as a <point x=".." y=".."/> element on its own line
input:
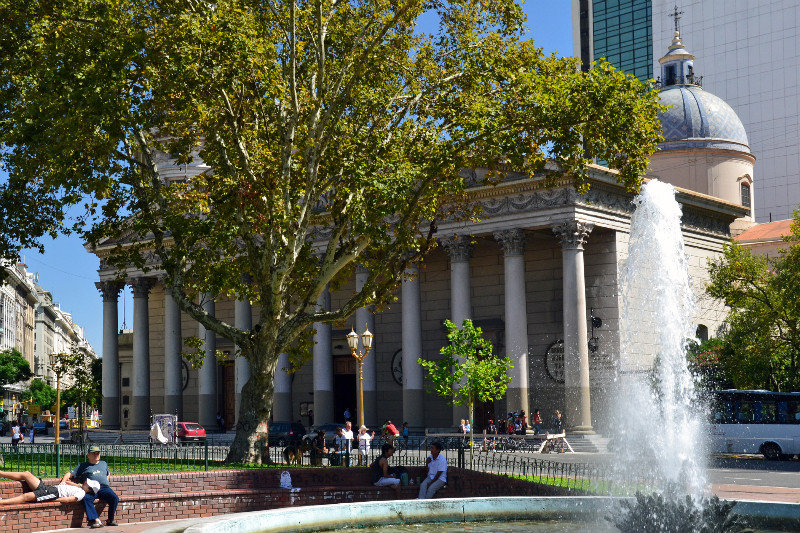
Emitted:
<point x="437" y="473"/>
<point x="42" y="492"/>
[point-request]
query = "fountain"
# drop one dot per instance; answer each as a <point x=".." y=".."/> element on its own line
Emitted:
<point x="658" y="417"/>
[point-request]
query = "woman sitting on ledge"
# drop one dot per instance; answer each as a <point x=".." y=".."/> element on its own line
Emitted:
<point x="42" y="492"/>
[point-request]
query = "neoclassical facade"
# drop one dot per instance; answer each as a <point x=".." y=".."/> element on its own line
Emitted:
<point x="539" y="272"/>
<point x="532" y="272"/>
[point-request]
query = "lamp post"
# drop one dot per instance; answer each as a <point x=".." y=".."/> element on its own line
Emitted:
<point x="352" y="341"/>
<point x="59" y="364"/>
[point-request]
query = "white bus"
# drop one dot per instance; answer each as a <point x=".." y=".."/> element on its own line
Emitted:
<point x="755" y="421"/>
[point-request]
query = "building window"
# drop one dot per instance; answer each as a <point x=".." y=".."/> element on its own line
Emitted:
<point x="126" y="382"/>
<point x="126" y="400"/>
<point x="702" y="333"/>
<point x="124" y="413"/>
<point x="746" y="194"/>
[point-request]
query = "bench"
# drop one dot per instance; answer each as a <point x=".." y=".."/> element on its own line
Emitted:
<point x="181" y="495"/>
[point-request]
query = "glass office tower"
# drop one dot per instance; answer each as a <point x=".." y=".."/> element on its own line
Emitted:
<point x="618" y="30"/>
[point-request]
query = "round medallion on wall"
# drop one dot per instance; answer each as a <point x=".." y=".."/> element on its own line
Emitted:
<point x="397" y="367"/>
<point x="554" y="361"/>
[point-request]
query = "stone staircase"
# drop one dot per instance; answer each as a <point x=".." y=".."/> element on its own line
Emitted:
<point x="588" y="443"/>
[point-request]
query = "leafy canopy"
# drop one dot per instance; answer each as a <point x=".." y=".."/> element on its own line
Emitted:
<point x="260" y="148"/>
<point x="762" y="343"/>
<point x="469" y="371"/>
<point x="41" y="393"/>
<point x="13" y="367"/>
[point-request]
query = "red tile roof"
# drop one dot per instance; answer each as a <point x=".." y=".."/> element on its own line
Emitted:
<point x="769" y="231"/>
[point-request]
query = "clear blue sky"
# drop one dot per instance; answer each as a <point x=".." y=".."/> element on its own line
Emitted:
<point x="69" y="272"/>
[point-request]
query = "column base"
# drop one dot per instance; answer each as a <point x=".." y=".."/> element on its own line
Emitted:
<point x="173" y="405"/>
<point x="581" y="430"/>
<point x="371" y="419"/>
<point x="282" y="407"/>
<point x="139" y="413"/>
<point x="111" y="412"/>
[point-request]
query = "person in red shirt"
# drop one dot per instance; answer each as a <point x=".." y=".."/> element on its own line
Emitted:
<point x="390" y="431"/>
<point x="537" y="421"/>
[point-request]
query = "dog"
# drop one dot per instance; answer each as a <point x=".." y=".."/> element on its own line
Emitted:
<point x="293" y="453"/>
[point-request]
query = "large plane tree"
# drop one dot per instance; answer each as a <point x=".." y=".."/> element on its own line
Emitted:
<point x="335" y="131"/>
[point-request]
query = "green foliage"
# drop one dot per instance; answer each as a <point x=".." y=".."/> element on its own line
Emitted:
<point x="13" y="367"/>
<point x="671" y="513"/>
<point x="335" y="133"/>
<point x="41" y="393"/>
<point x="705" y="363"/>
<point x="468" y="371"/>
<point x="762" y="342"/>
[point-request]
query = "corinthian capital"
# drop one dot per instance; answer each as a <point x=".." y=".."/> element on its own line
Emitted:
<point x="512" y="241"/>
<point x="573" y="233"/>
<point x="141" y="287"/>
<point x="109" y="290"/>
<point x="458" y="247"/>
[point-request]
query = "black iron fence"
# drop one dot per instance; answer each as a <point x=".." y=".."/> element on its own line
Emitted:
<point x="47" y="460"/>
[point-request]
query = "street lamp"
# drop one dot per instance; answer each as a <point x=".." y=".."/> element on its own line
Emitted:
<point x="352" y="341"/>
<point x="59" y="364"/>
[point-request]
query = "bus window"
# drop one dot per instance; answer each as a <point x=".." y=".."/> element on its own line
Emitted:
<point x="768" y="413"/>
<point x="744" y="412"/>
<point x="730" y="408"/>
<point x="793" y="413"/>
<point x="757" y="412"/>
<point x="783" y="417"/>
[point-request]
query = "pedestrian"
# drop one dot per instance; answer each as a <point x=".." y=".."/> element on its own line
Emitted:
<point x="220" y="422"/>
<point x="437" y="472"/>
<point x="558" y="422"/>
<point x="95" y="469"/>
<point x="319" y="448"/>
<point x="390" y="431"/>
<point x="461" y="428"/>
<point x="347" y="415"/>
<point x="537" y="422"/>
<point x="379" y="470"/>
<point x="348" y="430"/>
<point x="31" y="434"/>
<point x="342" y="445"/>
<point x="364" y="440"/>
<point x="16" y="434"/>
<point x="405" y="435"/>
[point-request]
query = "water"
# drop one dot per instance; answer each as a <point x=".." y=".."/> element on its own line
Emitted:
<point x="657" y="412"/>
<point x="521" y="526"/>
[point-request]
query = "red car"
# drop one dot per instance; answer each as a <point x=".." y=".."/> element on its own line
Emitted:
<point x="190" y="432"/>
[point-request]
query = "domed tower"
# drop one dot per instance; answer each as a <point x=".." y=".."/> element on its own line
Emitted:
<point x="705" y="145"/>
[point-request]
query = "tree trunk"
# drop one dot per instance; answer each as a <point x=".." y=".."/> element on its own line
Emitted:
<point x="250" y="444"/>
<point x="471" y="430"/>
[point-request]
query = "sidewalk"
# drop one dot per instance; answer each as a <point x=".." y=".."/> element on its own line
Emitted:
<point x="757" y="493"/>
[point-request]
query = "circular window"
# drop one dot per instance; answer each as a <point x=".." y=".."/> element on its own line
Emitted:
<point x="554" y="361"/>
<point x="397" y="367"/>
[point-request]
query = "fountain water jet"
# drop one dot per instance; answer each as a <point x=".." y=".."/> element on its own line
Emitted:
<point x="657" y="411"/>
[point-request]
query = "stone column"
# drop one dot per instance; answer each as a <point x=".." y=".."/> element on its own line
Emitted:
<point x="323" y="365"/>
<point x="282" y="402"/>
<point x="173" y="363"/>
<point x="242" y="320"/>
<point x="516" y="316"/>
<point x="413" y="389"/>
<point x="110" y="386"/>
<point x="573" y="235"/>
<point x="365" y="319"/>
<point x="459" y="249"/>
<point x="140" y="411"/>
<point x="207" y="376"/>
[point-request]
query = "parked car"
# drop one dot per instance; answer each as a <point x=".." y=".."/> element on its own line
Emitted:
<point x="282" y="433"/>
<point x="40" y="428"/>
<point x="329" y="429"/>
<point x="190" y="432"/>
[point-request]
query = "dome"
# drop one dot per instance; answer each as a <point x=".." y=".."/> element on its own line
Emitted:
<point x="698" y="119"/>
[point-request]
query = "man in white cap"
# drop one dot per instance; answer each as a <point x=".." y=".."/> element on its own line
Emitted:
<point x="42" y="492"/>
<point x="96" y="470"/>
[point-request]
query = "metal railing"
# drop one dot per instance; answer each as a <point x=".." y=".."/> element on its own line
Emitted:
<point x="42" y="461"/>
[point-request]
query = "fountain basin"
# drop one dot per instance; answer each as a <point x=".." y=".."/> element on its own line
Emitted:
<point x="589" y="509"/>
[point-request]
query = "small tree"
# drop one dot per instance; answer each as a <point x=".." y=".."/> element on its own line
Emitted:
<point x="13" y="367"/>
<point x="41" y="393"/>
<point x="469" y="371"/>
<point x="85" y="388"/>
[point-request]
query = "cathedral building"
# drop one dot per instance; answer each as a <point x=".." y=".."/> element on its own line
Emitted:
<point x="539" y="273"/>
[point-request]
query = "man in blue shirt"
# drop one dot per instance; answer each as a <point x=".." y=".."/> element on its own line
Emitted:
<point x="97" y="470"/>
